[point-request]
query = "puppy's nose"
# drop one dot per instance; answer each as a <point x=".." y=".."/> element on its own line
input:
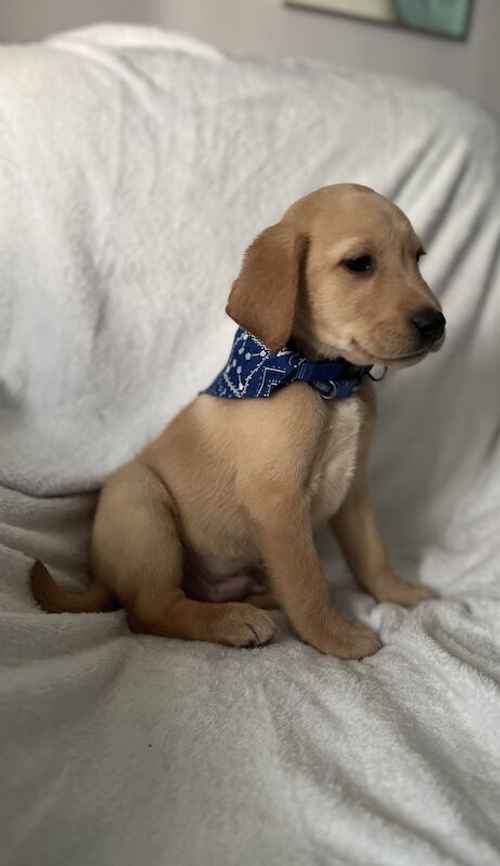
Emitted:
<point x="429" y="323"/>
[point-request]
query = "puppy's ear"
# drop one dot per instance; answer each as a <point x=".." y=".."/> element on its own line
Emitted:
<point x="264" y="295"/>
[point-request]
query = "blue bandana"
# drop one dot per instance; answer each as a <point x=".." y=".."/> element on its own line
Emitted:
<point x="253" y="371"/>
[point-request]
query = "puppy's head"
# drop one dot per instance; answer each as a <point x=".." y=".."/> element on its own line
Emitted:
<point x="339" y="274"/>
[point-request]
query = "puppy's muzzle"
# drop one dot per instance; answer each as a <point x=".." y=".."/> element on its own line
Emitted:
<point x="429" y="324"/>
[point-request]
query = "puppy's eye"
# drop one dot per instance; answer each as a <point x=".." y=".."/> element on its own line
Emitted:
<point x="360" y="264"/>
<point x="419" y="255"/>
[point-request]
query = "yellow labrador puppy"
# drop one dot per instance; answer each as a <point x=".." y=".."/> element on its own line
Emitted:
<point x="213" y="522"/>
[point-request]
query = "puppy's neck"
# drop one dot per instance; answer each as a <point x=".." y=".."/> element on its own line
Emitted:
<point x="312" y="348"/>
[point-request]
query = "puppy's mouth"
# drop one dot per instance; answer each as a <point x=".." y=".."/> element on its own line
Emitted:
<point x="363" y="356"/>
<point x="356" y="353"/>
<point x="396" y="359"/>
<point x="405" y="359"/>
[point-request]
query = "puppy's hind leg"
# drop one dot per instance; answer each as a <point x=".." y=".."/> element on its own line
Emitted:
<point x="137" y="550"/>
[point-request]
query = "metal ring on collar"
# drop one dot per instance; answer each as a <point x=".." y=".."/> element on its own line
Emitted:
<point x="377" y="378"/>
<point x="332" y="393"/>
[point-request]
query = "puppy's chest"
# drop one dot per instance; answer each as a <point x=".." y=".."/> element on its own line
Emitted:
<point x="336" y="457"/>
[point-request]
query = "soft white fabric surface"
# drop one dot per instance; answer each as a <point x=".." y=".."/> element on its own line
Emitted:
<point x="135" y="166"/>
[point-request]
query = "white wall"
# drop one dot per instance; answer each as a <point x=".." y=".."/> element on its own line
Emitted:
<point x="267" y="27"/>
<point x="25" y="20"/>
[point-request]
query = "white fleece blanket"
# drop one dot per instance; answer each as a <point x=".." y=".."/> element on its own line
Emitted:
<point x="135" y="166"/>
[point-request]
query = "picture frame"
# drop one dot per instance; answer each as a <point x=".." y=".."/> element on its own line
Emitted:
<point x="448" y="19"/>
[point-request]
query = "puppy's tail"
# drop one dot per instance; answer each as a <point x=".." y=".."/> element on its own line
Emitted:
<point x="55" y="599"/>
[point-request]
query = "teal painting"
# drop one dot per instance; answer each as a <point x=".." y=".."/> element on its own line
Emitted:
<point x="448" y="18"/>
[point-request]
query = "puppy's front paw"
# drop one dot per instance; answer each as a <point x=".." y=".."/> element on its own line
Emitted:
<point x="398" y="592"/>
<point x="346" y="640"/>
<point x="243" y="625"/>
